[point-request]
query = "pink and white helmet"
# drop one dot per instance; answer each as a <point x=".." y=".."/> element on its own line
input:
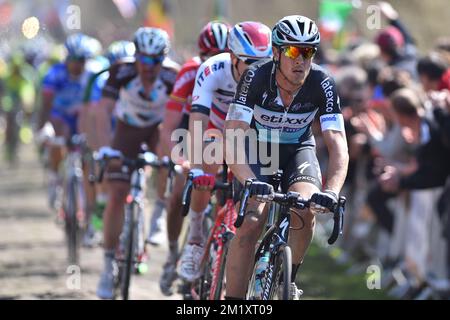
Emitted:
<point x="250" y="40"/>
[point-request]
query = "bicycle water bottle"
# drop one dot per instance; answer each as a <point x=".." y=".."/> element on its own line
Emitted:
<point x="261" y="267"/>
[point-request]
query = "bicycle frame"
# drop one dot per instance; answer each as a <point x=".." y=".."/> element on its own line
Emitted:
<point x="220" y="234"/>
<point x="74" y="195"/>
<point x="132" y="241"/>
<point x="275" y="239"/>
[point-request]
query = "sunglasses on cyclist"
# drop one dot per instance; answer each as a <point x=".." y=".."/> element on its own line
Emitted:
<point x="294" y="52"/>
<point x="150" y="61"/>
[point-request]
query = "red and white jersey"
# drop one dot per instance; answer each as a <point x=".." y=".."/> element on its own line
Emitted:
<point x="181" y="96"/>
<point x="214" y="89"/>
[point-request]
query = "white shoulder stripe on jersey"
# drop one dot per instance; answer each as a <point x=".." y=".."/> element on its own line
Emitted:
<point x="239" y="112"/>
<point x="332" y="121"/>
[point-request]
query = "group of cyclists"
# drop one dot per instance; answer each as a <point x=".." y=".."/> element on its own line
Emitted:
<point x="246" y="77"/>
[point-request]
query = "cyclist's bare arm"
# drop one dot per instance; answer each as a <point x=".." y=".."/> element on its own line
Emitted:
<point x="196" y="149"/>
<point x="47" y="104"/>
<point x="241" y="171"/>
<point x="103" y="114"/>
<point x="336" y="143"/>
<point x="170" y="123"/>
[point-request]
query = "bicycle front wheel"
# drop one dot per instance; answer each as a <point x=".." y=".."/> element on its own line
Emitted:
<point x="218" y="281"/>
<point x="282" y="274"/>
<point x="129" y="254"/>
<point x="71" y="223"/>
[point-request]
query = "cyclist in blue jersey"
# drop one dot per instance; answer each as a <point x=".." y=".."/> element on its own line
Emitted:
<point x="62" y="96"/>
<point x="279" y="99"/>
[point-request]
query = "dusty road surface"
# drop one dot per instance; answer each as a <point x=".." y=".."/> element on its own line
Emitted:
<point x="33" y="261"/>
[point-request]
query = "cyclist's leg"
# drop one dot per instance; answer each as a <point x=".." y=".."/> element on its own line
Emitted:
<point x="126" y="139"/>
<point x="157" y="235"/>
<point x="56" y="153"/>
<point x="62" y="127"/>
<point x="199" y="202"/>
<point x="242" y="249"/>
<point x="100" y="190"/>
<point x="193" y="250"/>
<point x="174" y="218"/>
<point x="83" y="127"/>
<point x="302" y="175"/>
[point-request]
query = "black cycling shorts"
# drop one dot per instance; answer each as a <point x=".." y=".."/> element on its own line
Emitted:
<point x="298" y="162"/>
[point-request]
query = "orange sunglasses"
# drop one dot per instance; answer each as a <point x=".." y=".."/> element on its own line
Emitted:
<point x="293" y="52"/>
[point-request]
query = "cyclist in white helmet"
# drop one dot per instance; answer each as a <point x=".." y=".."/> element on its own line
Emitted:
<point x="280" y="98"/>
<point x="138" y="91"/>
<point x="214" y="89"/>
<point x="120" y="50"/>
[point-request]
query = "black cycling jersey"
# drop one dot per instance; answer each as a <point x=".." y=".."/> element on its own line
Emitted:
<point x="258" y="102"/>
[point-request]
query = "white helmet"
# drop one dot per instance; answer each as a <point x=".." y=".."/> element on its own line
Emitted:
<point x="250" y="40"/>
<point x="81" y="46"/>
<point x="296" y="30"/>
<point x="152" y="41"/>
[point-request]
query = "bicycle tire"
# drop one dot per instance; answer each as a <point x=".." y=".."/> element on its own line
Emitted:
<point x="218" y="288"/>
<point x="206" y="278"/>
<point x="129" y="252"/>
<point x="282" y="270"/>
<point x="71" y="222"/>
<point x="12" y="139"/>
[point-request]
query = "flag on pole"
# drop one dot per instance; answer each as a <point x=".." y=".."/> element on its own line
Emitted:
<point x="333" y="15"/>
<point x="158" y="16"/>
<point x="127" y="8"/>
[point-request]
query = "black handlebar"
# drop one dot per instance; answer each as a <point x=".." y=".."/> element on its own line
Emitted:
<point x="338" y="217"/>
<point x="144" y="159"/>
<point x="186" y="195"/>
<point x="292" y="199"/>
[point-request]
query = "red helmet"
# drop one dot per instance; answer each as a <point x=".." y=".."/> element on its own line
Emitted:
<point x="213" y="38"/>
<point x="390" y="39"/>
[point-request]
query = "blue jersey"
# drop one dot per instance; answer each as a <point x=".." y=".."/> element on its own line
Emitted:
<point x="68" y="92"/>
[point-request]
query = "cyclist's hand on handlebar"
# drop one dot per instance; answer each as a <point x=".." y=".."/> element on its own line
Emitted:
<point x="262" y="191"/>
<point x="201" y="180"/>
<point x="323" y="202"/>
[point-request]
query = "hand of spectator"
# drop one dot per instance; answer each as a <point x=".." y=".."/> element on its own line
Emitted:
<point x="387" y="10"/>
<point x="359" y="125"/>
<point x="347" y="113"/>
<point x="390" y="179"/>
<point x="356" y="145"/>
<point x="440" y="99"/>
<point x="379" y="163"/>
